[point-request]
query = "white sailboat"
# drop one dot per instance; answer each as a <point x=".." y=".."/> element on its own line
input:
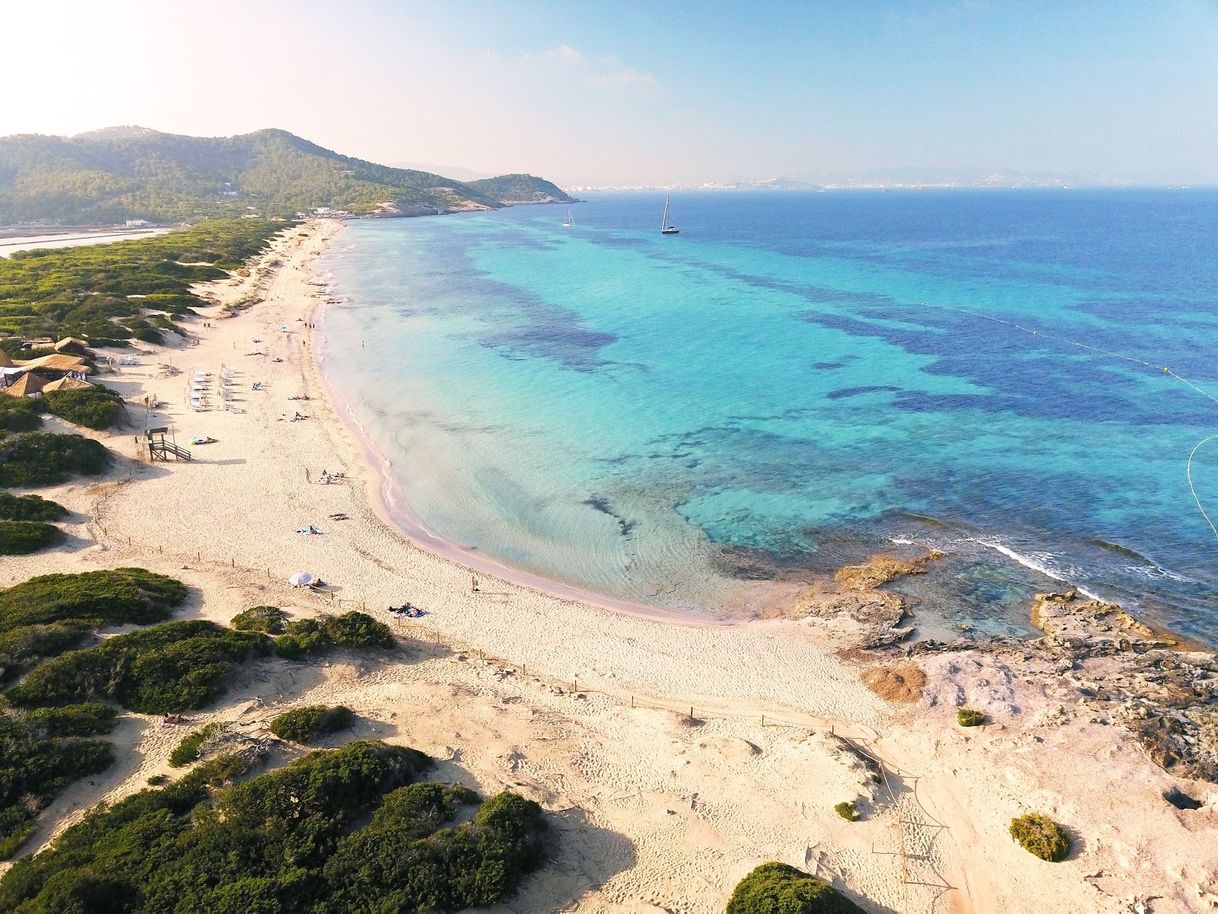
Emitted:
<point x="570" y="220"/>
<point x="666" y="226"/>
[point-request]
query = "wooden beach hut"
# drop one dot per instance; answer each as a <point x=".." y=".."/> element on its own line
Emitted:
<point x="28" y="385"/>
<point x="67" y="382"/>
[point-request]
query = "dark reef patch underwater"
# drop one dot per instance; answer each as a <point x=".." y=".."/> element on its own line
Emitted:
<point x="799" y="378"/>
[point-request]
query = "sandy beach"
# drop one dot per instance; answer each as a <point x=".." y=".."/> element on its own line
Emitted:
<point x="673" y="756"/>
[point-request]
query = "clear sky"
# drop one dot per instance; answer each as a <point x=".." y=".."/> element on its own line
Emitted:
<point x="660" y="91"/>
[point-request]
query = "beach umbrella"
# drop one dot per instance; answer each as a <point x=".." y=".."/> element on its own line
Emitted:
<point x="300" y="578"/>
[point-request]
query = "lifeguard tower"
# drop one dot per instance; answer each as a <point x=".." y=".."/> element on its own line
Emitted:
<point x="161" y="448"/>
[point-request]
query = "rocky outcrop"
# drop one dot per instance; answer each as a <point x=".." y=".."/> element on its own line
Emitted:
<point x="881" y="569"/>
<point x="1122" y="671"/>
<point x="1093" y="627"/>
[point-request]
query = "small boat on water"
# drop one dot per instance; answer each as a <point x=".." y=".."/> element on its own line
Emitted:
<point x="569" y="221"/>
<point x="666" y="226"/>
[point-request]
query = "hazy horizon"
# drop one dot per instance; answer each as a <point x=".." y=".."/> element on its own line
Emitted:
<point x="643" y="95"/>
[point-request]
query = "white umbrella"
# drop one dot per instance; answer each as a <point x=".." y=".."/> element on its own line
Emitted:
<point x="300" y="578"/>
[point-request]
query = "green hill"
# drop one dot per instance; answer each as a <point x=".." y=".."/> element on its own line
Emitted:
<point x="134" y="173"/>
<point x="521" y="189"/>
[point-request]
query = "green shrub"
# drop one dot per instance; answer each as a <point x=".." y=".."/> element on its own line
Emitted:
<point x="967" y="717"/>
<point x="113" y="597"/>
<point x="21" y="537"/>
<point x="357" y="630"/>
<point x="303" y="725"/>
<point x="34" y="769"/>
<point x="96" y="407"/>
<point x="43" y="458"/>
<point x="89" y="719"/>
<point x="19" y="420"/>
<point x="20" y="647"/>
<point x="1041" y="836"/>
<point x="305" y="637"/>
<point x="30" y="507"/>
<point x="190" y="748"/>
<point x="288" y="841"/>
<point x="169" y="668"/>
<point x="847" y="811"/>
<point x="266" y="619"/>
<point x="775" y="888"/>
<point x="147" y="334"/>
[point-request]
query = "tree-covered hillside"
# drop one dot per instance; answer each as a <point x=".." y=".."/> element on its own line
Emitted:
<point x="134" y="173"/>
<point x="521" y="189"/>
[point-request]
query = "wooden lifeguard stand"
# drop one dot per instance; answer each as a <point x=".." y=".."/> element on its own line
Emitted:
<point x="160" y="448"/>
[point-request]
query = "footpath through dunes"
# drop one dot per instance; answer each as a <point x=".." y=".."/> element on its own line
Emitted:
<point x="645" y="738"/>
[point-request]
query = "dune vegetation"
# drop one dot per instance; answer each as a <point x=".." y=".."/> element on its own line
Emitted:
<point x="776" y="888"/>
<point x="107" y="293"/>
<point x="343" y="830"/>
<point x="306" y="724"/>
<point x="45" y="459"/>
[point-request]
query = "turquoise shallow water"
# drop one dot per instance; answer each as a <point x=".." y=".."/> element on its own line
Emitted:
<point x="797" y="380"/>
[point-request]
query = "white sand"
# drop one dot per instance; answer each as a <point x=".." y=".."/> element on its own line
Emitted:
<point x="653" y="812"/>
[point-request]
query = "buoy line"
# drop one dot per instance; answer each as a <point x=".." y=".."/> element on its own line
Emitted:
<point x="1188" y="467"/>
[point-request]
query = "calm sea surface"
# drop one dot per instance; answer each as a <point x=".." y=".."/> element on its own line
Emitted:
<point x="800" y="379"/>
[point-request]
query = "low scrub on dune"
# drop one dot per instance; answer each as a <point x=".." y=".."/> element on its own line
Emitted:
<point x="45" y="459"/>
<point x="21" y="537"/>
<point x="23" y="646"/>
<point x="306" y="637"/>
<point x="270" y="620"/>
<point x="13" y="419"/>
<point x="303" y="725"/>
<point x="190" y="749"/>
<point x="333" y="832"/>
<point x="34" y="768"/>
<point x="112" y="597"/>
<point x="95" y="407"/>
<point x="776" y="888"/>
<point x="169" y="668"/>
<point x="30" y="507"/>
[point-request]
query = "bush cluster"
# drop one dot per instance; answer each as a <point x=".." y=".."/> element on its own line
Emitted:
<point x="21" y="537"/>
<point x="190" y="749"/>
<point x="16" y="419"/>
<point x="30" y="507"/>
<point x="1041" y="836"/>
<point x="303" y="725"/>
<point x="113" y="597"/>
<point x="89" y="291"/>
<point x="169" y="668"/>
<point x="269" y="620"/>
<point x="776" y="888"/>
<point x="34" y="769"/>
<point x="284" y="842"/>
<point x="846" y="810"/>
<point x="89" y="719"/>
<point x="315" y="636"/>
<point x="95" y="407"/>
<point x="967" y="717"/>
<point x="44" y="458"/>
<point x="23" y="645"/>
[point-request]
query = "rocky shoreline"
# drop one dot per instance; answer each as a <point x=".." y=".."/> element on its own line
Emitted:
<point x="1117" y="669"/>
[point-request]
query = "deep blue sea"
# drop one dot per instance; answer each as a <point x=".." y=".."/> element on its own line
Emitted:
<point x="798" y="380"/>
